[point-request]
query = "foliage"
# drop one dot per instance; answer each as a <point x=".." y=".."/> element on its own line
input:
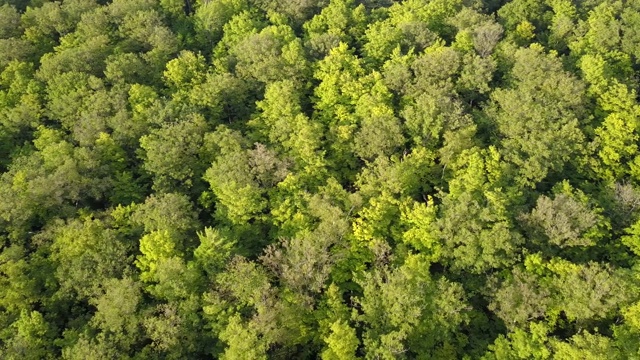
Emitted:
<point x="335" y="179"/>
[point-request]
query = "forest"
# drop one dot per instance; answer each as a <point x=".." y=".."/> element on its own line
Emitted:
<point x="320" y="179"/>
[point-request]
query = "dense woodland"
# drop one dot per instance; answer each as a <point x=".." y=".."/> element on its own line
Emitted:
<point x="320" y="179"/>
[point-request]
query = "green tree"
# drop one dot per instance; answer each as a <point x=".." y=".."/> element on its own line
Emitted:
<point x="116" y="307"/>
<point x="19" y="285"/>
<point x="185" y="71"/>
<point x="213" y="252"/>
<point x="408" y="313"/>
<point x="174" y="155"/>
<point x="86" y="254"/>
<point x="339" y="21"/>
<point x="239" y="196"/>
<point x="243" y="341"/>
<point x="567" y="220"/>
<point x="342" y="343"/>
<point x="615" y="137"/>
<point x="80" y="103"/>
<point x="522" y="344"/>
<point x="380" y="132"/>
<point x="410" y="175"/>
<point x="156" y="247"/>
<point x="271" y="55"/>
<point x="222" y="98"/>
<point x="591" y="291"/>
<point x="474" y="221"/>
<point x="173" y="331"/>
<point x="20" y="105"/>
<point x="211" y="16"/>
<point x="283" y="124"/>
<point x="539" y="116"/>
<point x="520" y="299"/>
<point x="171" y="211"/>
<point x="10" y="20"/>
<point x="587" y="346"/>
<point x="433" y="113"/>
<point x="50" y="180"/>
<point x="305" y="262"/>
<point x="31" y="338"/>
<point x="410" y="25"/>
<point x="126" y="68"/>
<point x="144" y="31"/>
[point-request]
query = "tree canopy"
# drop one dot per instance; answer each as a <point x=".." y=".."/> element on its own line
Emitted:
<point x="334" y="179"/>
